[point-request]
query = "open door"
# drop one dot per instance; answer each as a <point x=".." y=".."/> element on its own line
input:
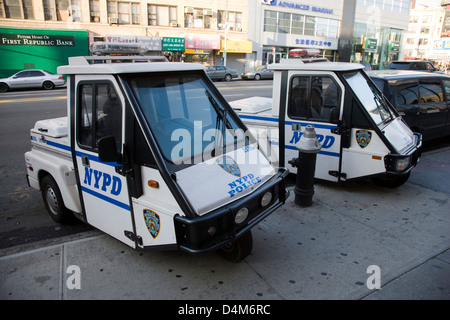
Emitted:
<point x="104" y="192"/>
<point x="316" y="99"/>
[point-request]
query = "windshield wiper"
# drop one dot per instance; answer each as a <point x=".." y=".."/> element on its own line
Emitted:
<point x="222" y="122"/>
<point x="381" y="105"/>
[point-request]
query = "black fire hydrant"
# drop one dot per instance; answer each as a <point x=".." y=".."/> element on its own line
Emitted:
<point x="308" y="147"/>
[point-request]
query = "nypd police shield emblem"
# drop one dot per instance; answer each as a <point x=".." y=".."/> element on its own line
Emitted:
<point x="229" y="165"/>
<point x="152" y="222"/>
<point x="363" y="138"/>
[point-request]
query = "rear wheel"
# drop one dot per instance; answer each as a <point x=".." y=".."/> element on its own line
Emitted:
<point x="3" y="87"/>
<point x="53" y="201"/>
<point x="238" y="249"/>
<point x="48" y="85"/>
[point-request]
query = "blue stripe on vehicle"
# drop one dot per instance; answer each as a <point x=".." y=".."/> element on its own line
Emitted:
<point x="105" y="198"/>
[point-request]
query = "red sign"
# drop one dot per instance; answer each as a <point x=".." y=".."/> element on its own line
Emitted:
<point x="202" y="41"/>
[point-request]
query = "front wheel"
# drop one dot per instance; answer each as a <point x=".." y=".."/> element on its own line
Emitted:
<point x="228" y="77"/>
<point x="239" y="249"/>
<point x="391" y="180"/>
<point x="53" y="201"/>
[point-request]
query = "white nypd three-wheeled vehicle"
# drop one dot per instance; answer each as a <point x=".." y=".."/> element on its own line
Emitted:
<point x="153" y="155"/>
<point x="360" y="132"/>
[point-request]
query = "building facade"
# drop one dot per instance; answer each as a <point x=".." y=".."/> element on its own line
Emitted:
<point x="238" y="33"/>
<point x="193" y="31"/>
<point x="423" y="39"/>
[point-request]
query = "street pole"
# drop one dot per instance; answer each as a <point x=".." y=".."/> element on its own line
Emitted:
<point x="226" y="35"/>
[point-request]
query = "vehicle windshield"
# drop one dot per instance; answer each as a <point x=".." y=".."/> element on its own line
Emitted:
<point x="370" y="97"/>
<point x="260" y="68"/>
<point x="189" y="123"/>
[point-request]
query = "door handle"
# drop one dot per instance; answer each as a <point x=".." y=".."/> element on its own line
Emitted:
<point x="85" y="161"/>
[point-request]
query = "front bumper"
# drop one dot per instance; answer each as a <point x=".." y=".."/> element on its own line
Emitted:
<point x="213" y="230"/>
<point x="247" y="76"/>
<point x="399" y="164"/>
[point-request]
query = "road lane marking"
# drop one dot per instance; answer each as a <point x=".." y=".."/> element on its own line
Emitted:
<point x="34" y="99"/>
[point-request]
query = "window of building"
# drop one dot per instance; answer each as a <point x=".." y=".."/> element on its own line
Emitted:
<point x="423" y="41"/>
<point x="94" y="9"/>
<point x="123" y="12"/>
<point x="427" y="19"/>
<point x="199" y="18"/>
<point x="62" y="10"/>
<point x="298" y="24"/>
<point x="270" y="21"/>
<point x="164" y="16"/>
<point x="284" y="22"/>
<point x="16" y="9"/>
<point x="281" y="22"/>
<point x="234" y="20"/>
<point x="391" y="5"/>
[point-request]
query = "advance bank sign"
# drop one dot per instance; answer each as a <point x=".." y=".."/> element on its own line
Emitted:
<point x="293" y="5"/>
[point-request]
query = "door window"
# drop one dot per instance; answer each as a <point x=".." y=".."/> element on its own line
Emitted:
<point x="100" y="115"/>
<point x="407" y="94"/>
<point x="431" y="91"/>
<point x="313" y="98"/>
<point x="447" y="89"/>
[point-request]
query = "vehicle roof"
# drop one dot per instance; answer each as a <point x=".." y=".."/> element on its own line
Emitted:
<point x="315" y="64"/>
<point x="80" y="65"/>
<point x="409" y="61"/>
<point x="403" y="74"/>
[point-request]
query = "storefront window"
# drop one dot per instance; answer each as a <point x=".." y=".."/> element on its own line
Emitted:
<point x="375" y="45"/>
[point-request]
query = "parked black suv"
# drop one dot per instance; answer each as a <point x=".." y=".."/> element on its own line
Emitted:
<point x="412" y="65"/>
<point x="422" y="99"/>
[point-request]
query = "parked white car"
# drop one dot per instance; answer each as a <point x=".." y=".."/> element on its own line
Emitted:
<point x="32" y="79"/>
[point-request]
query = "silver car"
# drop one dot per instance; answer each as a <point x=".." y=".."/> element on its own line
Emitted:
<point x="221" y="73"/>
<point x="32" y="79"/>
<point x="262" y="72"/>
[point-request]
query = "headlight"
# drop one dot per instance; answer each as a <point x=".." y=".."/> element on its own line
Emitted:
<point x="266" y="198"/>
<point x="402" y="164"/>
<point x="241" y="215"/>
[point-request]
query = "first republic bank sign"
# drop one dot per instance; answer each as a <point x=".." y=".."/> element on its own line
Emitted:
<point x="294" y="5"/>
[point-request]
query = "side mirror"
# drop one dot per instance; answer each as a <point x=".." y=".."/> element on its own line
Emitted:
<point x="107" y="150"/>
<point x="334" y="116"/>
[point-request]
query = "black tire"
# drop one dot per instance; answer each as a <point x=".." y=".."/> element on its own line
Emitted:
<point x="391" y="181"/>
<point x="3" y="87"/>
<point x="228" y="77"/>
<point x="239" y="249"/>
<point x="257" y="77"/>
<point x="48" y="85"/>
<point x="53" y="201"/>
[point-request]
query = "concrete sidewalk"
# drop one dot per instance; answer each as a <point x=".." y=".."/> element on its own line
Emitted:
<point x="320" y="252"/>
